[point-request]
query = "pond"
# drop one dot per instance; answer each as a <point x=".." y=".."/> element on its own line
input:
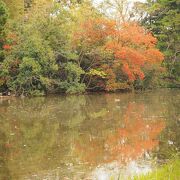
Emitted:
<point x="94" y="136"/>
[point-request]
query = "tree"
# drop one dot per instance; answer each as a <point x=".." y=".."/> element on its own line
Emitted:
<point x="40" y="60"/>
<point x="16" y="8"/>
<point x="122" y="10"/>
<point x="119" y="10"/>
<point x="163" y="19"/>
<point x="3" y="20"/>
<point x="70" y="46"/>
<point x="134" y="47"/>
<point x="29" y="66"/>
<point x="130" y="46"/>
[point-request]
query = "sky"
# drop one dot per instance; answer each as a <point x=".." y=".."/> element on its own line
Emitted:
<point x="111" y="12"/>
<point x="99" y="1"/>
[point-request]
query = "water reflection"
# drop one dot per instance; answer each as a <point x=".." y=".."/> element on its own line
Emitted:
<point x="88" y="136"/>
<point x="121" y="147"/>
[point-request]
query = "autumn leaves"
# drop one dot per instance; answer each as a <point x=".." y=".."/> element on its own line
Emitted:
<point x="131" y="49"/>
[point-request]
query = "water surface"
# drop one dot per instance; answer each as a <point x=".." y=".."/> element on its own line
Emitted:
<point x="94" y="136"/>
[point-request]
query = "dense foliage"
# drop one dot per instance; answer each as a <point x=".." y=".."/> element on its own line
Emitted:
<point x="163" y="19"/>
<point x="72" y="47"/>
<point x="3" y="19"/>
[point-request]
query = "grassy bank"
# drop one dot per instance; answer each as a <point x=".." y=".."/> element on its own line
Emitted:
<point x="170" y="171"/>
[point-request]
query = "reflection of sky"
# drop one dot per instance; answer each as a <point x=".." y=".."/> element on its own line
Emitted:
<point x="112" y="170"/>
<point x="104" y="172"/>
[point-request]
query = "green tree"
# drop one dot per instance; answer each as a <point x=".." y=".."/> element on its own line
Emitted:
<point x="16" y="8"/>
<point x="72" y="74"/>
<point x="41" y="59"/>
<point x="30" y="65"/>
<point x="163" y="19"/>
<point x="3" y="20"/>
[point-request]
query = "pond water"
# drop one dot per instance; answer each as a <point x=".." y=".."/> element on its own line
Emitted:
<point x="96" y="136"/>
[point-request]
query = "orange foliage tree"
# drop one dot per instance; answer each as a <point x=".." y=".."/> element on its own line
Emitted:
<point x="125" y="50"/>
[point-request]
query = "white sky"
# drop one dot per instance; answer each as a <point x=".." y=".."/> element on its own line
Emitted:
<point x="99" y="1"/>
<point x="112" y="12"/>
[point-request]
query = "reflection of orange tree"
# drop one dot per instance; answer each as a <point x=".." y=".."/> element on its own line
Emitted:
<point x="135" y="138"/>
<point x="130" y="142"/>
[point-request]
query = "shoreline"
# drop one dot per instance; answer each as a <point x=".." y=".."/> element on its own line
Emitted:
<point x="86" y="93"/>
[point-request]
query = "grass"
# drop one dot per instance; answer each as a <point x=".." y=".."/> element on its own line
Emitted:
<point x="170" y="171"/>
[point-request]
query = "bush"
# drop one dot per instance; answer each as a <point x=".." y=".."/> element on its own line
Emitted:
<point x="72" y="82"/>
<point x="3" y="20"/>
<point x="30" y="65"/>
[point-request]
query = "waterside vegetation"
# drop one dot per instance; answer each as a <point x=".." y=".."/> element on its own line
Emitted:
<point x="75" y="46"/>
